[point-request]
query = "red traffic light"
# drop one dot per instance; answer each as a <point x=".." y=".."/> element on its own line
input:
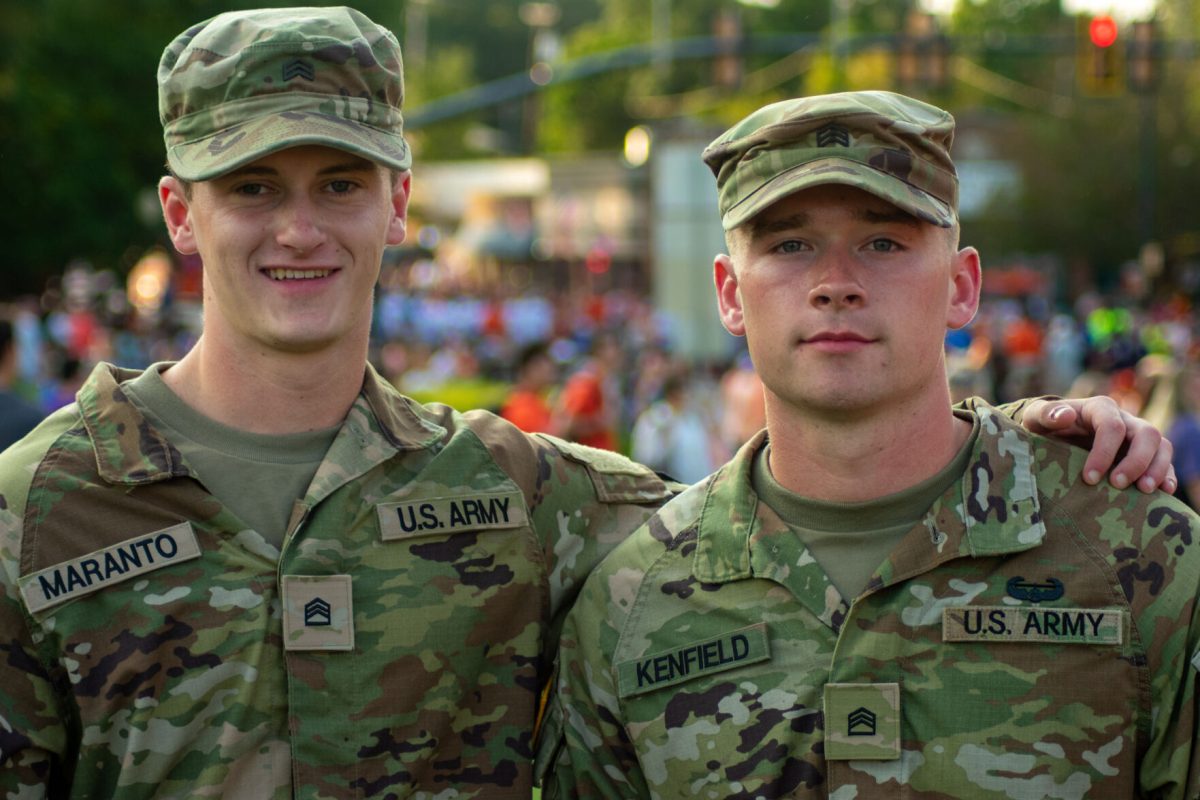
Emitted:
<point x="1103" y="31"/>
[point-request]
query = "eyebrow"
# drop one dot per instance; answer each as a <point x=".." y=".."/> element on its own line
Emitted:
<point x="357" y="165"/>
<point x="765" y="227"/>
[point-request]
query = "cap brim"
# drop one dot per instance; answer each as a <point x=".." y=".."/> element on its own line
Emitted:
<point x="236" y="146"/>
<point x="845" y="173"/>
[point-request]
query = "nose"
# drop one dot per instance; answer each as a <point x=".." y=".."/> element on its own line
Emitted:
<point x="838" y="287"/>
<point x="300" y="227"/>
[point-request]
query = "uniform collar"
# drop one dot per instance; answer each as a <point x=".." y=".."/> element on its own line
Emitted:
<point x="993" y="509"/>
<point x="130" y="450"/>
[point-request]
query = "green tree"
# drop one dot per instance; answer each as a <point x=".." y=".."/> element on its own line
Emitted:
<point x="80" y="142"/>
<point x="1100" y="176"/>
<point x="596" y="114"/>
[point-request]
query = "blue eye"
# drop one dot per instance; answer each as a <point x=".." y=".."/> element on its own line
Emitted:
<point x="884" y="246"/>
<point x="790" y="246"/>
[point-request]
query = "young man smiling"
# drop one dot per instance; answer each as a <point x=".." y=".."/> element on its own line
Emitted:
<point x="879" y="596"/>
<point x="261" y="572"/>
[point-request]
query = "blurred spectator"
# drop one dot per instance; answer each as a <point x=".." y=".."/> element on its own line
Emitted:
<point x="1021" y="343"/>
<point x="651" y="370"/>
<point x="744" y="409"/>
<point x="61" y="391"/>
<point x="590" y="404"/>
<point x="17" y="417"/>
<point x="529" y="319"/>
<point x="526" y="405"/>
<point x="672" y="437"/>
<point x="1184" y="433"/>
<point x="1156" y="378"/>
<point x="1065" y="349"/>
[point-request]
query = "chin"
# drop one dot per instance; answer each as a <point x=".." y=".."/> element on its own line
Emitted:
<point x="836" y="404"/>
<point x="301" y="343"/>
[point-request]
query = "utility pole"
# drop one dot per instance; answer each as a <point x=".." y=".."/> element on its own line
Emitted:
<point x="839" y="27"/>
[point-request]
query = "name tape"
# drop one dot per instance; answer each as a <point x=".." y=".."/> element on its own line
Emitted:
<point x="431" y="515"/>
<point x="103" y="568"/>
<point x="1097" y="626"/>
<point x="730" y="650"/>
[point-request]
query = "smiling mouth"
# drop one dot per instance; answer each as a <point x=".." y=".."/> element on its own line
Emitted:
<point x="297" y="274"/>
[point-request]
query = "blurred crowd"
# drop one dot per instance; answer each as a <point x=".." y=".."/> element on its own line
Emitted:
<point x="604" y="368"/>
<point x="1145" y="356"/>
<point x="581" y="364"/>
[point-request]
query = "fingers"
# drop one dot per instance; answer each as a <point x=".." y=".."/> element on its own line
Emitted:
<point x="1137" y="452"/>
<point x="1159" y="474"/>
<point x="1110" y="433"/>
<point x="1051" y="416"/>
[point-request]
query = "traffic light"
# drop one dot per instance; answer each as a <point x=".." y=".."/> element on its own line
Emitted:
<point x="1099" y="60"/>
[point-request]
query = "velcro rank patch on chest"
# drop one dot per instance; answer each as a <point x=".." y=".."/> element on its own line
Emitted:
<point x="1094" y="626"/>
<point x="693" y="660"/>
<point x="862" y="721"/>
<point x="318" y="612"/>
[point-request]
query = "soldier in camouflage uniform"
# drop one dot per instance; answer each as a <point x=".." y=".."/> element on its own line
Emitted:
<point x="383" y="635"/>
<point x="878" y="597"/>
<point x="261" y="572"/>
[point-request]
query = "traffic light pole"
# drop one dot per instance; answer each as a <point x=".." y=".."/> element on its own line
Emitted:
<point x="1147" y="136"/>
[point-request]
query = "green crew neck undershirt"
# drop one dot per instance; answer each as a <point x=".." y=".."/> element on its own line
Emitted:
<point x="851" y="540"/>
<point x="258" y="477"/>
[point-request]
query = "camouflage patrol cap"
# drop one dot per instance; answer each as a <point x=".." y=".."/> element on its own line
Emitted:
<point x="892" y="146"/>
<point x="248" y="83"/>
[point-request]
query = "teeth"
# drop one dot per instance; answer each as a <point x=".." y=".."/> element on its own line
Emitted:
<point x="297" y="274"/>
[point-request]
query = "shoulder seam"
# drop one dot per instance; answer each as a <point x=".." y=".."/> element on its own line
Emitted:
<point x="636" y="612"/>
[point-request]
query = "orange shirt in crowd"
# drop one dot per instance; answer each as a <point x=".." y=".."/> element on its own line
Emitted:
<point x="583" y="401"/>
<point x="529" y="411"/>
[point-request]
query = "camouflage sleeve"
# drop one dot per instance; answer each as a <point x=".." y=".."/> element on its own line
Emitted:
<point x="33" y="739"/>
<point x="35" y="757"/>
<point x="596" y="499"/>
<point x="1169" y="621"/>
<point x="1171" y="768"/>
<point x="583" y="502"/>
<point x="1014" y="410"/>
<point x="594" y="758"/>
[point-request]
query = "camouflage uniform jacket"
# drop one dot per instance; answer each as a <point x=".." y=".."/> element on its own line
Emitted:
<point x="1031" y="637"/>
<point x="150" y="646"/>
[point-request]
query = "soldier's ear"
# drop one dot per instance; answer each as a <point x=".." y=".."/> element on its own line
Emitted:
<point x="398" y="227"/>
<point x="176" y="204"/>
<point x="966" y="280"/>
<point x="729" y="296"/>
